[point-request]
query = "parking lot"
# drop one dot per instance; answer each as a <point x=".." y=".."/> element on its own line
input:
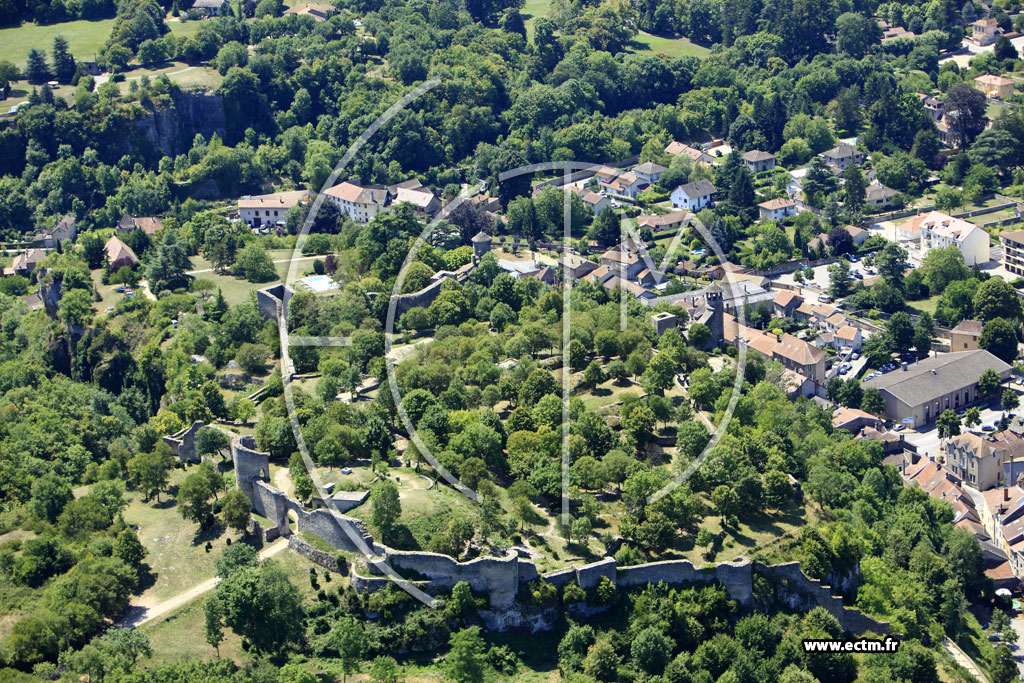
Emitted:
<point x="928" y="440"/>
<point x="819" y="282"/>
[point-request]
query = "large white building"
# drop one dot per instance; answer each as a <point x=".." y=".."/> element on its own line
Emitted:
<point x="361" y="203"/>
<point x="939" y="230"/>
<point x="269" y="209"/>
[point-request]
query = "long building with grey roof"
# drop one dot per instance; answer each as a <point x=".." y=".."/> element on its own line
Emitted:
<point x="920" y="392"/>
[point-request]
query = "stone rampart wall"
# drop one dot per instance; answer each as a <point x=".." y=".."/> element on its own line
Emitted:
<point x="496" y="576"/>
<point x="422" y="298"/>
<point x="501" y="577"/>
<point x="319" y="557"/>
<point x="800" y="592"/>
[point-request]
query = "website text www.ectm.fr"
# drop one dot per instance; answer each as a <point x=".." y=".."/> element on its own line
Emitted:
<point x="883" y="645"/>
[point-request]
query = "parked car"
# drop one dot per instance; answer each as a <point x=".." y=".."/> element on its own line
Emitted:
<point x="824" y="298"/>
<point x="899" y="427"/>
<point x="855" y="356"/>
<point x="988" y="428"/>
<point x="858" y="275"/>
<point x="346" y="470"/>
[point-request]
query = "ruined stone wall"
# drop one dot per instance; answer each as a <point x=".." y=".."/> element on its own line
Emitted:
<point x="183" y="443"/>
<point x="496" y="576"/>
<point x="501" y="577"/>
<point x="319" y="557"/>
<point x="799" y="592"/>
<point x="422" y="298"/>
<point x="344" y="533"/>
<point x="268" y="299"/>
<point x="250" y="465"/>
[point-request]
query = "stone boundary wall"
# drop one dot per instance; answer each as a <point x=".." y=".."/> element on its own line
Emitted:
<point x="798" y="591"/>
<point x="319" y="557"/>
<point x="423" y="298"/>
<point x="501" y="577"/>
<point x="252" y="469"/>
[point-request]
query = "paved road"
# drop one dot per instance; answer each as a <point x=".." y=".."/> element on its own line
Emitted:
<point x="1017" y="623"/>
<point x="140" y="614"/>
<point x="928" y="440"/>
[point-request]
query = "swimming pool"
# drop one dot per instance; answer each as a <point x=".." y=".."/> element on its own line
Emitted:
<point x="317" y="283"/>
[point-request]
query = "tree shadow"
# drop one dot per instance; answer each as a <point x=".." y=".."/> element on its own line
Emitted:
<point x="601" y="391"/>
<point x="401" y="538"/>
<point x="208" y="533"/>
<point x="147" y="578"/>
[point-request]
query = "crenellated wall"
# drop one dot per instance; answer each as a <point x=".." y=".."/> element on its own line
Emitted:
<point x="501" y="577"/>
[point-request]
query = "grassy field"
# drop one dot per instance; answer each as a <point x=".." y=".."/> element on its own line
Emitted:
<point x="929" y="305"/>
<point x="176" y="548"/>
<point x="178" y="637"/>
<point x="425" y="513"/>
<point x="671" y="47"/>
<point x="608" y="393"/>
<point x="236" y="289"/>
<point x="183" y="29"/>
<point x="178" y="72"/>
<point x="85" y="38"/>
<point x="531" y="10"/>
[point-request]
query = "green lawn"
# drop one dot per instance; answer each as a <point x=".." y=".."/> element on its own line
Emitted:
<point x="178" y="637"/>
<point x="929" y="305"/>
<point x="671" y="47"/>
<point x="533" y="9"/>
<point x="175" y="547"/>
<point x="183" y="29"/>
<point x="85" y="38"/>
<point x="236" y="289"/>
<point x="181" y="73"/>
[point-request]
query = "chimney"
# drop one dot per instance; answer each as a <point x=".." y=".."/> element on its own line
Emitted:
<point x="1006" y="493"/>
<point x="778" y="337"/>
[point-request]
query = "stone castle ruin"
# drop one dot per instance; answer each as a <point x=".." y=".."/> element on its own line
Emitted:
<point x="502" y="577"/>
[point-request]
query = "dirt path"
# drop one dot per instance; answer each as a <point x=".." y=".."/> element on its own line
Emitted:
<point x="144" y="286"/>
<point x="963" y="660"/>
<point x="138" y="614"/>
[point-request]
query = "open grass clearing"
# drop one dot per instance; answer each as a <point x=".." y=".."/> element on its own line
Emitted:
<point x="924" y="305"/>
<point x="531" y="11"/>
<point x="752" y="534"/>
<point x="237" y="289"/>
<point x="670" y="47"/>
<point x="176" y="548"/>
<point x="608" y="393"/>
<point x="178" y="637"/>
<point x="85" y="39"/>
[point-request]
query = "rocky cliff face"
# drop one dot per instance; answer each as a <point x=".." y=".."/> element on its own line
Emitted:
<point x="170" y="131"/>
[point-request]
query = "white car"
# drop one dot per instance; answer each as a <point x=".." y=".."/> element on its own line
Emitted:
<point x="346" y="470"/>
